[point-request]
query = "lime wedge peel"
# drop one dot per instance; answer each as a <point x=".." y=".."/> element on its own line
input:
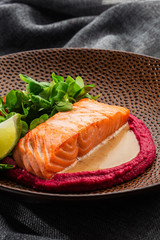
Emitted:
<point x="10" y="132"/>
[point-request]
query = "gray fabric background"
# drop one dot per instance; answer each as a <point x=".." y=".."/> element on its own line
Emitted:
<point x="122" y="25"/>
<point x="33" y="24"/>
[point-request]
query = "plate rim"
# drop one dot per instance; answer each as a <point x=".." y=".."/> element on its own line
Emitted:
<point x="69" y="196"/>
<point x="81" y="49"/>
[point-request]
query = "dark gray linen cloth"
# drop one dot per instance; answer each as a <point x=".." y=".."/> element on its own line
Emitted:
<point x="122" y="25"/>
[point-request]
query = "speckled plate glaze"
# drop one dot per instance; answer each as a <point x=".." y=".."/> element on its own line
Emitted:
<point x="122" y="78"/>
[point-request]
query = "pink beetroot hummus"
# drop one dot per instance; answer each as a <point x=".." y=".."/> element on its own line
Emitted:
<point x="93" y="180"/>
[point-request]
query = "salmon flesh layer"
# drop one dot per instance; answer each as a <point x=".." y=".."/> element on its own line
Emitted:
<point x="56" y="143"/>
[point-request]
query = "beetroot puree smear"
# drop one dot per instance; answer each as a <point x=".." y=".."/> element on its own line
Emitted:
<point x="93" y="180"/>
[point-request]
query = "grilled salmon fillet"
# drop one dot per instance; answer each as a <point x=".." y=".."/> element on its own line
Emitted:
<point x="56" y="143"/>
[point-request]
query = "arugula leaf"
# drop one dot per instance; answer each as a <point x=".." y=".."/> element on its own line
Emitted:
<point x="6" y="166"/>
<point x="25" y="111"/>
<point x="45" y="84"/>
<point x="14" y="100"/>
<point x="83" y="91"/>
<point x="79" y="82"/>
<point x="75" y="90"/>
<point x="54" y="111"/>
<point x="95" y="97"/>
<point x="63" y="106"/>
<point x="58" y="92"/>
<point x="33" y="86"/>
<point x="40" y="102"/>
<point x="24" y="128"/>
<point x="2" y="108"/>
<point x="39" y="120"/>
<point x="46" y="93"/>
<point x="70" y="82"/>
<point x="1" y="103"/>
<point x="56" y="78"/>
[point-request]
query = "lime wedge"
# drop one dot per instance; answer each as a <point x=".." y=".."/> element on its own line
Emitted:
<point x="10" y="131"/>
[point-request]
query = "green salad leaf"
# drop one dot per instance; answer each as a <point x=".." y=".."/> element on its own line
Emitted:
<point x="2" y="108"/>
<point x="42" y="100"/>
<point x="4" y="166"/>
<point x="39" y="120"/>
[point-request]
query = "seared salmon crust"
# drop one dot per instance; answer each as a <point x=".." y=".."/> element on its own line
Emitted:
<point x="56" y="143"/>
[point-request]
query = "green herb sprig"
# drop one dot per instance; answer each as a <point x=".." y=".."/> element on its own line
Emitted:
<point x="42" y="100"/>
<point x="4" y="166"/>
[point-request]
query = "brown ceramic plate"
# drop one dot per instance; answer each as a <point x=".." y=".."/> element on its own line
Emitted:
<point x="122" y="78"/>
